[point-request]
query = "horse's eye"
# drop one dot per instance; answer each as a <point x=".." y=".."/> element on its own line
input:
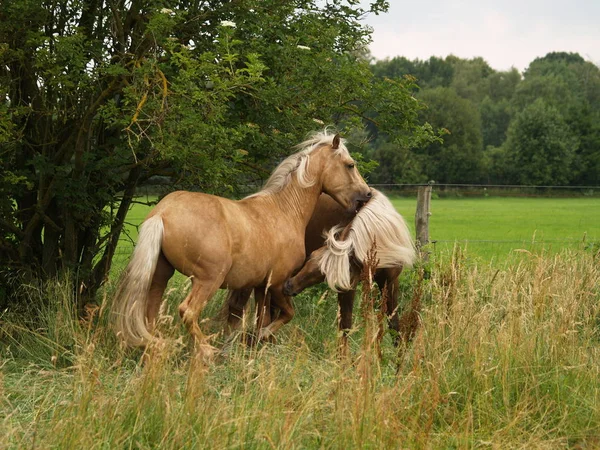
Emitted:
<point x="351" y="166"/>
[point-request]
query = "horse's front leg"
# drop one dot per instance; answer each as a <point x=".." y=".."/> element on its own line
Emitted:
<point x="235" y="307"/>
<point x="286" y="312"/>
<point x="387" y="280"/>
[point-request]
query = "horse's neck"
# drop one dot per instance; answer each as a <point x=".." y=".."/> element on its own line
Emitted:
<point x="298" y="202"/>
<point x="346" y="232"/>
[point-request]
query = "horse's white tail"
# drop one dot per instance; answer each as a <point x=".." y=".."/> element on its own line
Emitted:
<point x="131" y="300"/>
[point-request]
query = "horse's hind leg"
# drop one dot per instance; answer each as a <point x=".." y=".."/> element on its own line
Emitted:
<point x="191" y="308"/>
<point x="346" y="305"/>
<point x="286" y="312"/>
<point x="264" y="310"/>
<point x="163" y="273"/>
<point x="387" y="280"/>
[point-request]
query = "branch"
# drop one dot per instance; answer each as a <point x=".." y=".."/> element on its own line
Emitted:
<point x="250" y="164"/>
<point x="11" y="227"/>
<point x="47" y="220"/>
<point x="114" y="86"/>
<point x="255" y="167"/>
<point x="120" y="34"/>
<point x="102" y="267"/>
<point x="148" y="203"/>
<point x="361" y="115"/>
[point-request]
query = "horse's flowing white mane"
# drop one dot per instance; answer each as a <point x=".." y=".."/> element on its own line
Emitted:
<point x="298" y="164"/>
<point x="377" y="221"/>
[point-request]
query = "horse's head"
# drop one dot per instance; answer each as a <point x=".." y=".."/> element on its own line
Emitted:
<point x="341" y="179"/>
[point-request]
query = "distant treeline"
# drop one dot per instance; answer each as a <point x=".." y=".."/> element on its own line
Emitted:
<point x="541" y="127"/>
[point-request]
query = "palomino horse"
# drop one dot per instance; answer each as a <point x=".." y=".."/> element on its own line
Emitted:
<point x="221" y="243"/>
<point x="340" y="261"/>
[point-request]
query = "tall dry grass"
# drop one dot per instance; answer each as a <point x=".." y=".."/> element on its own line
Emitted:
<point x="505" y="357"/>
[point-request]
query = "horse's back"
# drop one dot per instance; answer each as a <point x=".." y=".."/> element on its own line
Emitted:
<point x="247" y="241"/>
<point x="194" y="232"/>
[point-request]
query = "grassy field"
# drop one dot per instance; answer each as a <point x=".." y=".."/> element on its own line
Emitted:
<point x="507" y="355"/>
<point x="492" y="228"/>
<point x="488" y="229"/>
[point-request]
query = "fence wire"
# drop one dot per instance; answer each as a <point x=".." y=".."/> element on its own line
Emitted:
<point x="440" y="191"/>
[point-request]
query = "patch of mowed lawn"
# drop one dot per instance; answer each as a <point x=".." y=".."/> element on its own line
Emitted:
<point x="491" y="228"/>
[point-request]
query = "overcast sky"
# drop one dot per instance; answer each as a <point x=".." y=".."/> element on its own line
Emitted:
<point x="505" y="33"/>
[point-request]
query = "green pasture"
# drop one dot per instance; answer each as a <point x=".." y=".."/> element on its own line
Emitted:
<point x="495" y="228"/>
<point x="489" y="229"/>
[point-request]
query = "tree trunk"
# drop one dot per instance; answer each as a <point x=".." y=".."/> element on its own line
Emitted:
<point x="100" y="271"/>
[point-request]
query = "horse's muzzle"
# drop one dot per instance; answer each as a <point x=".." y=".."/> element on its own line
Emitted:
<point x="362" y="200"/>
<point x="288" y="289"/>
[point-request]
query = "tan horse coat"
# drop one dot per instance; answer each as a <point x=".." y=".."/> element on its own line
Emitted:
<point x="221" y="243"/>
<point x="377" y="220"/>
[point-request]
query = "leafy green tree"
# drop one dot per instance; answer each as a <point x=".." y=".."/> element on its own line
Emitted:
<point x="540" y="146"/>
<point x="585" y="124"/>
<point x="495" y="108"/>
<point x="495" y="166"/>
<point x="459" y="158"/>
<point x="572" y="86"/>
<point x="396" y="164"/>
<point x="502" y="85"/>
<point x="101" y="96"/>
<point x="470" y="77"/>
<point x="554" y="89"/>
<point x="396" y="67"/>
<point x="565" y="81"/>
<point x="434" y="72"/>
<point x="495" y="118"/>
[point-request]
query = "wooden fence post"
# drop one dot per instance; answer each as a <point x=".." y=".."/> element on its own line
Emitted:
<point x="422" y="219"/>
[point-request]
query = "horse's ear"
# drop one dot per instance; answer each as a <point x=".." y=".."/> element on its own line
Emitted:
<point x="336" y="142"/>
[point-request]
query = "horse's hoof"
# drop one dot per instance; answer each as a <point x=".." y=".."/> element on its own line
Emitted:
<point x="266" y="335"/>
<point x="249" y="339"/>
<point x="206" y="352"/>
